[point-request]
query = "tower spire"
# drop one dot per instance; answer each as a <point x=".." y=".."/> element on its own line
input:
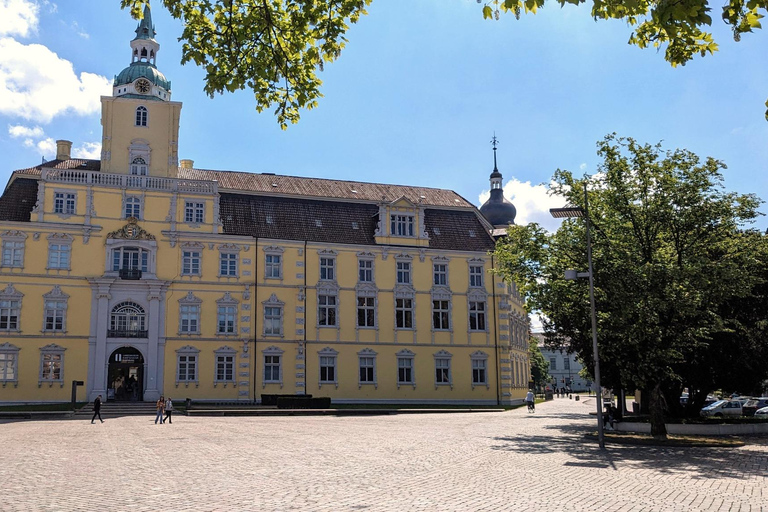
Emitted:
<point x="494" y="143"/>
<point x="146" y="29"/>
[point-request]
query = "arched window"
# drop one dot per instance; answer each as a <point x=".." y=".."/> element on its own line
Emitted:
<point x="141" y="116"/>
<point x="139" y="167"/>
<point x="143" y="53"/>
<point x="128" y="320"/>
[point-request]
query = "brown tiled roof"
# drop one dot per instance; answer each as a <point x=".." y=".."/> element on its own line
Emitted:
<point x="18" y="200"/>
<point x="334" y="222"/>
<point x="322" y="188"/>
<point x="72" y="163"/>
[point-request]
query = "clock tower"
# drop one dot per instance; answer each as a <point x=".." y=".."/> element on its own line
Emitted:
<point x="140" y="122"/>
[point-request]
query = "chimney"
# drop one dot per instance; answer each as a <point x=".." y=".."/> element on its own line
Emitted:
<point x="187" y="164"/>
<point x="63" y="149"/>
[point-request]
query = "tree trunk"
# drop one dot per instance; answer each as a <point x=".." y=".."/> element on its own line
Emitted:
<point x="658" y="403"/>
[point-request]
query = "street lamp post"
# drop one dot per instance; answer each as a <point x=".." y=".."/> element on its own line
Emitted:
<point x="560" y="213"/>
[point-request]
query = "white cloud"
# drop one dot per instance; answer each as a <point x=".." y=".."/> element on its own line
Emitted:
<point x="583" y="166"/>
<point x="18" y="130"/>
<point x="89" y="150"/>
<point x="47" y="148"/>
<point x="532" y="202"/>
<point x="18" y="17"/>
<point x="36" y="84"/>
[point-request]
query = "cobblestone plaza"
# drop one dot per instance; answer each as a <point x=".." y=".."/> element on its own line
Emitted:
<point x="486" y="461"/>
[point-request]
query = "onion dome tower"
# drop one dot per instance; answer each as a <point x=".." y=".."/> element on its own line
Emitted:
<point x="499" y="212"/>
<point x="142" y="79"/>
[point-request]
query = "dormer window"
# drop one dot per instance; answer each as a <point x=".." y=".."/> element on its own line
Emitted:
<point x="141" y="114"/>
<point x="139" y="167"/>
<point x="401" y="225"/>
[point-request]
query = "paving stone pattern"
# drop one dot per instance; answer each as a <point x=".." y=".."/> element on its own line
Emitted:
<point x="417" y="462"/>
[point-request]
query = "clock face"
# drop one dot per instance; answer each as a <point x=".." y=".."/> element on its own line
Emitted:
<point x="142" y="85"/>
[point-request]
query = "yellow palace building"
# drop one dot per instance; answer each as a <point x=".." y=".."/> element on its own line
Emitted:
<point x="141" y="275"/>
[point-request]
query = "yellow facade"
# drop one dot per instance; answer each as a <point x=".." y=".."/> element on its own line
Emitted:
<point x="143" y="278"/>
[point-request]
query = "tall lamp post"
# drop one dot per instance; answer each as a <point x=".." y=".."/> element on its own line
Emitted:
<point x="561" y="213"/>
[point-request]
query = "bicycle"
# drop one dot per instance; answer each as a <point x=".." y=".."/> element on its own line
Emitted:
<point x="531" y="407"/>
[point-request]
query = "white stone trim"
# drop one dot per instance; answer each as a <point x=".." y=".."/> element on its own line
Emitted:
<point x="272" y="351"/>
<point x="225" y="351"/>
<point x="188" y="351"/>
<point x="328" y="352"/>
<point x="273" y="302"/>
<point x="406" y="354"/>
<point x="368" y="354"/>
<point x="57" y="296"/>
<point x="51" y="350"/>
<point x="443" y="355"/>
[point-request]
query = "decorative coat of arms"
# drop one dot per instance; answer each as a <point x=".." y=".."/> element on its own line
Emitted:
<point x="131" y="231"/>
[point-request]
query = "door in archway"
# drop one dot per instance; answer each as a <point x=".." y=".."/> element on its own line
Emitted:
<point x="125" y="378"/>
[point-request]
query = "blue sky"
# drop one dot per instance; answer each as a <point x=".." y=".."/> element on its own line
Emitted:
<point x="414" y="99"/>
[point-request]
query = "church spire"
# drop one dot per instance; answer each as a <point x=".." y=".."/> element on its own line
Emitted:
<point x="146" y="29"/>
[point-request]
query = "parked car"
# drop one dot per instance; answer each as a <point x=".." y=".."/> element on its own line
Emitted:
<point x="751" y="406"/>
<point x="762" y="412"/>
<point x="722" y="408"/>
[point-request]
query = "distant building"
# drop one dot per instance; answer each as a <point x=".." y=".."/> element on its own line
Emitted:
<point x="564" y="368"/>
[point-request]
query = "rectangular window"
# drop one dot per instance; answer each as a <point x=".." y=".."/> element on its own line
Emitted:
<point x="440" y="315"/>
<point x="404" y="272"/>
<point x="228" y="264"/>
<point x="404" y="313"/>
<point x="327" y="269"/>
<point x="271" y="368"/>
<point x="442" y="371"/>
<point x="566" y="363"/>
<point x="187" y="368"/>
<point x="8" y="362"/>
<point x="132" y="207"/>
<point x="190" y="263"/>
<point x="58" y="255"/>
<point x="326" y="310"/>
<point x="476" y="276"/>
<point x="9" y="315"/>
<point x="273" y="321"/>
<point x="440" y="274"/>
<point x="64" y="203"/>
<point x="328" y="369"/>
<point x="130" y="258"/>
<point x="194" y="212"/>
<point x="479" y="371"/>
<point x="273" y="266"/>
<point x="365" y="268"/>
<point x="226" y="319"/>
<point x="553" y="363"/>
<point x="476" y="316"/>
<point x="50" y="367"/>
<point x="401" y="225"/>
<point x="189" y="318"/>
<point x="225" y="368"/>
<point x="366" y="312"/>
<point x="13" y="254"/>
<point x="367" y="365"/>
<point x="405" y="370"/>
<point x="55" y="310"/>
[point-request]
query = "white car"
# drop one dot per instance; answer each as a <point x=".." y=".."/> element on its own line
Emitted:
<point x="762" y="412"/>
<point x="722" y="408"/>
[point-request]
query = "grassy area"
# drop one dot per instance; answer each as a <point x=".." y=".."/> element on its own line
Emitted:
<point x="40" y="407"/>
<point x="677" y="440"/>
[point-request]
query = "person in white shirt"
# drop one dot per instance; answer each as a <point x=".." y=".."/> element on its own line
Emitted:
<point x="529" y="399"/>
<point x="168" y="409"/>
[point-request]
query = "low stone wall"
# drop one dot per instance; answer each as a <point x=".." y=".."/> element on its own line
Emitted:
<point x="738" y="429"/>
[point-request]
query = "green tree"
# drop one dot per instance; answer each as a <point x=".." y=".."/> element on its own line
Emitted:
<point x="539" y="365"/>
<point x="276" y="47"/>
<point x="669" y="254"/>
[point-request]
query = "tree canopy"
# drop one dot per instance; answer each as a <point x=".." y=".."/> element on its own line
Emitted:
<point x="277" y="47"/>
<point x="678" y="280"/>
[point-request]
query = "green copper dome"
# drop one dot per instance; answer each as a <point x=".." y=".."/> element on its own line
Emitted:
<point x="142" y="69"/>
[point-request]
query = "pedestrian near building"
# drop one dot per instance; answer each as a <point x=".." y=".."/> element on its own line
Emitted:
<point x="530" y="400"/>
<point x="160" y="409"/>
<point x="168" y="409"/>
<point x="97" y="409"/>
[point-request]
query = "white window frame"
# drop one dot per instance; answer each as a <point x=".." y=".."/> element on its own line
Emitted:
<point x="365" y="268"/>
<point x="229" y="263"/>
<point x="273" y="263"/>
<point x="440" y="273"/>
<point x="120" y="250"/>
<point x="406" y="355"/>
<point x="59" y="252"/>
<point x="189" y="310"/>
<point x="366" y="361"/>
<point x="405" y="310"/>
<point x="442" y="362"/>
<point x="9" y="364"/>
<point x="476" y="275"/>
<point x="440" y="311"/>
<point x="272" y="352"/>
<point x="139" y="166"/>
<point x="136" y="206"/>
<point x="51" y="357"/>
<point x="366" y="308"/>
<point x="190" y="355"/>
<point x="479" y="362"/>
<point x="224" y="356"/>
<point x="269" y="307"/>
<point x="194" y="212"/>
<point x="324" y="303"/>
<point x="191" y="261"/>
<point x="402" y="224"/>
<point x="331" y="358"/>
<point x="142" y="116"/>
<point x="10" y="308"/>
<point x="14" y="244"/>
<point x="228" y="307"/>
<point x="55" y="304"/>
<point x="404" y="272"/>
<point x="64" y="203"/>
<point x="477" y="314"/>
<point x="327" y="267"/>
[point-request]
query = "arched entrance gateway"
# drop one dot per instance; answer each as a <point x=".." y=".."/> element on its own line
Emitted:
<point x="125" y="378"/>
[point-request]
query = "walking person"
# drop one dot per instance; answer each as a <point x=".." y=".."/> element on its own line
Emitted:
<point x="168" y="410"/>
<point x="160" y="409"/>
<point x="97" y="409"/>
<point x="530" y="400"/>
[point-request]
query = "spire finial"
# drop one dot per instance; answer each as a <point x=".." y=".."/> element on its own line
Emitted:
<point x="494" y="143"/>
